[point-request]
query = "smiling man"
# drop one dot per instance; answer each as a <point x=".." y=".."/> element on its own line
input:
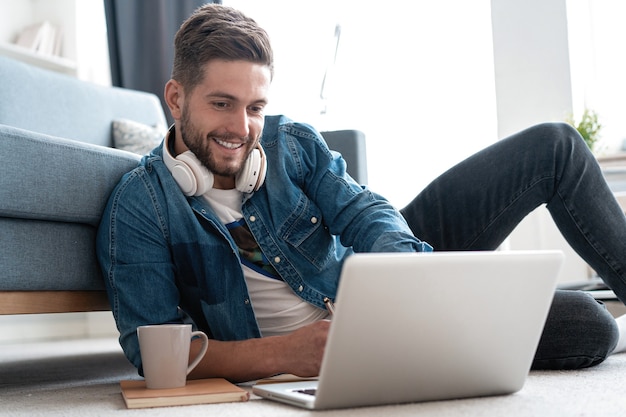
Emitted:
<point x="221" y="119"/>
<point x="240" y="221"/>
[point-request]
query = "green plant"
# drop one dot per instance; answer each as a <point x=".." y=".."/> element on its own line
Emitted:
<point x="588" y="127"/>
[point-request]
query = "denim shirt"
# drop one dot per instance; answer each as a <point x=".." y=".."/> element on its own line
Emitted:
<point x="162" y="252"/>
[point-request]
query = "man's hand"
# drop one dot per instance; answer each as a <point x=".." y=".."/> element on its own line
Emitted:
<point x="299" y="353"/>
<point x="309" y="343"/>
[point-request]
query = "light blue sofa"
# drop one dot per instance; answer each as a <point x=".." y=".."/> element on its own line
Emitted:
<point x="57" y="169"/>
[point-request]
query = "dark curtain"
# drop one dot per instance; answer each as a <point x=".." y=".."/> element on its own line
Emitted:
<point x="141" y="41"/>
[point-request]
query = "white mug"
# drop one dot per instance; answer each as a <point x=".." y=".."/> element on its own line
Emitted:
<point x="165" y="354"/>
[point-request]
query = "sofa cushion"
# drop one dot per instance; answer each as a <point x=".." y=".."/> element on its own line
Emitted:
<point x="41" y="255"/>
<point x="136" y="137"/>
<point x="48" y="178"/>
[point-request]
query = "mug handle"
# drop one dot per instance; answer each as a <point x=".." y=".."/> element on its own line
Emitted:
<point x="205" y="346"/>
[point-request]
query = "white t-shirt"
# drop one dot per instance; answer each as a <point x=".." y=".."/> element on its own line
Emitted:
<point x="277" y="308"/>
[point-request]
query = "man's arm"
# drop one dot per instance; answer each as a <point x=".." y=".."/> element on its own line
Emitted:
<point x="299" y="353"/>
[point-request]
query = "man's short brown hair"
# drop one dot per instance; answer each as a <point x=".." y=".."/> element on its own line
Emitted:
<point x="212" y="32"/>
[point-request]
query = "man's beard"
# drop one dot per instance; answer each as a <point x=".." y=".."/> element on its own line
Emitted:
<point x="200" y="146"/>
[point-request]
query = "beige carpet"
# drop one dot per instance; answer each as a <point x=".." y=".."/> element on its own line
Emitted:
<point x="80" y="378"/>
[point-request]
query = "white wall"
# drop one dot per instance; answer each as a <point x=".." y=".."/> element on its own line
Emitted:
<point x="83" y="26"/>
<point x="532" y="64"/>
<point x="416" y="77"/>
<point x="12" y="15"/>
<point x="37" y="327"/>
<point x="597" y="33"/>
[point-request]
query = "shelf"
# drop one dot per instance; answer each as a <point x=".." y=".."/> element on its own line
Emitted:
<point x="54" y="63"/>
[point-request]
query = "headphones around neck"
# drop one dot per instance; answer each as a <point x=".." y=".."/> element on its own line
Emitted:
<point x="195" y="179"/>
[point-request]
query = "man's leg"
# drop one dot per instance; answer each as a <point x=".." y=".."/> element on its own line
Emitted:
<point x="477" y="204"/>
<point x="579" y="332"/>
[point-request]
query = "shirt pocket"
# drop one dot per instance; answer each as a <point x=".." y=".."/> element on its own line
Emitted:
<point x="305" y="231"/>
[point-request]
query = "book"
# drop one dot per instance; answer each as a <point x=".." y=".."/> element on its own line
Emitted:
<point x="199" y="391"/>
<point x="43" y="38"/>
<point x="282" y="378"/>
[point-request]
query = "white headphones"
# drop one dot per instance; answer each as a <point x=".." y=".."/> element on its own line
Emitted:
<point x="195" y="179"/>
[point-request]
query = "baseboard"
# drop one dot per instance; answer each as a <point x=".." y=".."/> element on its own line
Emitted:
<point x="44" y="327"/>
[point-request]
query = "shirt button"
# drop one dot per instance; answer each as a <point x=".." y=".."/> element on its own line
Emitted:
<point x="252" y="218"/>
<point x="277" y="259"/>
<point x="246" y="301"/>
<point x="300" y="288"/>
<point x="314" y="220"/>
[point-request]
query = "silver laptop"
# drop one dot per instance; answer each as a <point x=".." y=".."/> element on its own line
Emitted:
<point x="429" y="326"/>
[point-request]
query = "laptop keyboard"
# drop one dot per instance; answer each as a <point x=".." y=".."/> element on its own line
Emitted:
<point x="310" y="391"/>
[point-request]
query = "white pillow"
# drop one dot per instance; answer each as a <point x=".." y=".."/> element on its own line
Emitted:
<point x="136" y="137"/>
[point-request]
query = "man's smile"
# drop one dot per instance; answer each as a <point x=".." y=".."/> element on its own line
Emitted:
<point x="228" y="145"/>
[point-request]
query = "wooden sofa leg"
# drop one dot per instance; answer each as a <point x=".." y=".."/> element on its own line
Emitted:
<point x="40" y="302"/>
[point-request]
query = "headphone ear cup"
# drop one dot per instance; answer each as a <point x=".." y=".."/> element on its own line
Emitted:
<point x="184" y="178"/>
<point x="196" y="177"/>
<point x="182" y="174"/>
<point x="253" y="172"/>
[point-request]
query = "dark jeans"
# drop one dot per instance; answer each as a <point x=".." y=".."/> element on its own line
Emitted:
<point x="477" y="204"/>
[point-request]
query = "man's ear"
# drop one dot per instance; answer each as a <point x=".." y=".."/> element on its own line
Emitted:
<point x="174" y="96"/>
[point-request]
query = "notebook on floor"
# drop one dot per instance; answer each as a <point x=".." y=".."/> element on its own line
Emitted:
<point x="429" y="326"/>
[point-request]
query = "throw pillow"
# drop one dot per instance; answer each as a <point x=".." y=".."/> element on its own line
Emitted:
<point x="136" y="137"/>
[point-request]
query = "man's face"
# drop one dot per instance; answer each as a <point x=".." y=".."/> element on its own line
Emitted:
<point x="222" y="118"/>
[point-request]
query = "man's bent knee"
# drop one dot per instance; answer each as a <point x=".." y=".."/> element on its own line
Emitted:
<point x="579" y="332"/>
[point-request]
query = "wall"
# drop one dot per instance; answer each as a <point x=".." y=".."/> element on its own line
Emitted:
<point x="597" y="33"/>
<point x="12" y="18"/>
<point x="417" y="80"/>
<point x="32" y="328"/>
<point x="532" y="65"/>
<point x="84" y="41"/>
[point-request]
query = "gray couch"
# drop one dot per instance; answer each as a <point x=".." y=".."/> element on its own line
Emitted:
<point x="57" y="169"/>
